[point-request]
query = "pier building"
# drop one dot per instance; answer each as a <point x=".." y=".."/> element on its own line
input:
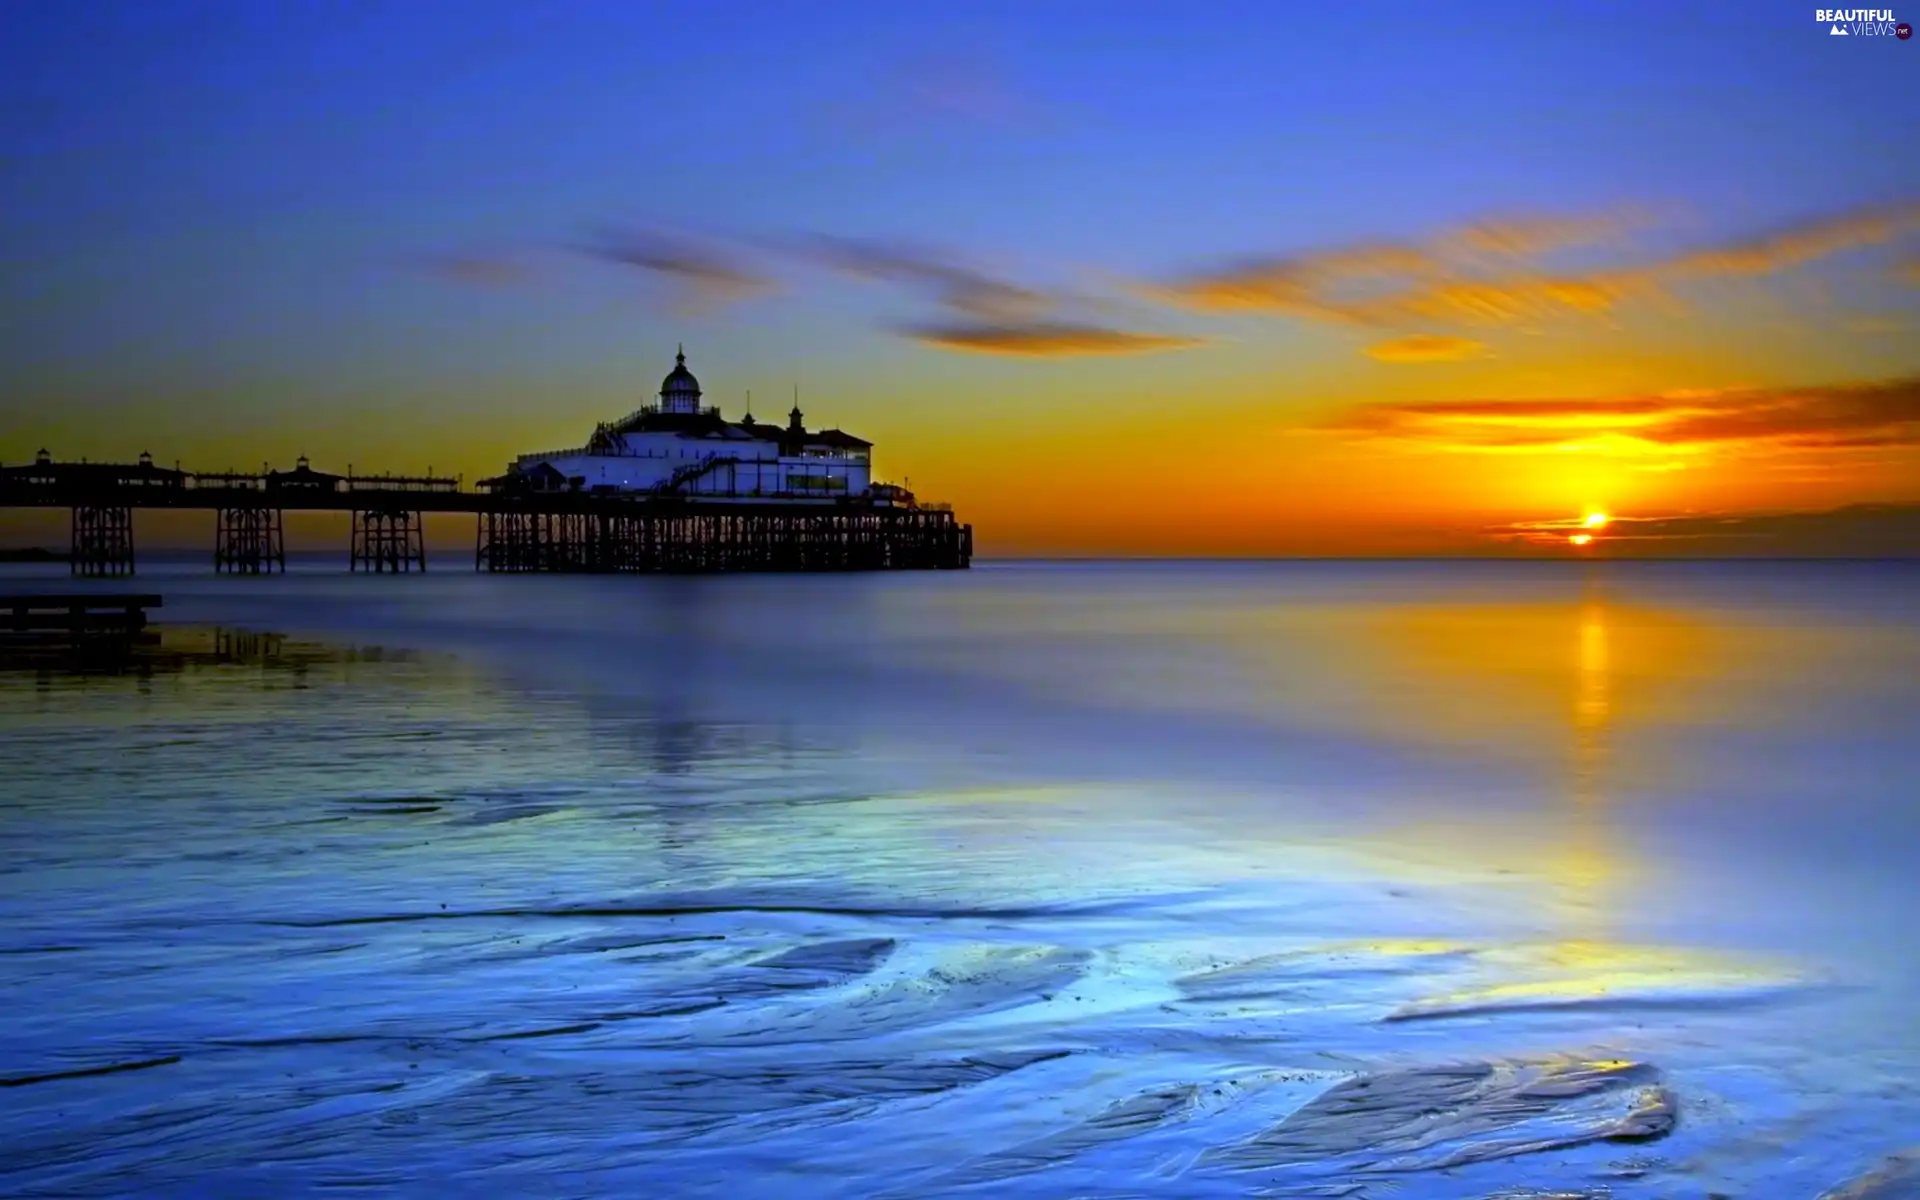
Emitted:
<point x="680" y="446"/>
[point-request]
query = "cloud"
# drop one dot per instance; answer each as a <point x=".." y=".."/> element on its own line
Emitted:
<point x="1833" y="418"/>
<point x="1856" y="531"/>
<point x="1504" y="302"/>
<point x="476" y="270"/>
<point x="961" y="288"/>
<point x="1044" y="340"/>
<point x="1425" y="348"/>
<point x="1473" y="271"/>
<point x="986" y="312"/>
<point x="1798" y="244"/>
<point x="1301" y="286"/>
<point x="1530" y="236"/>
<point x="1491" y="272"/>
<point x="712" y="278"/>
<point x="992" y="314"/>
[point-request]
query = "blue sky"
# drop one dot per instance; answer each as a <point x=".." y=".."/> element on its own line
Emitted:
<point x="231" y="220"/>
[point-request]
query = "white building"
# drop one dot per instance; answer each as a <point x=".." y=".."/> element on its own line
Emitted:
<point x="677" y="447"/>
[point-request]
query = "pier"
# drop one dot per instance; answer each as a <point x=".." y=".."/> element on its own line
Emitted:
<point x="517" y="528"/>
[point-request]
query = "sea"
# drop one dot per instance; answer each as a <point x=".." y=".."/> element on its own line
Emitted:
<point x="1071" y="879"/>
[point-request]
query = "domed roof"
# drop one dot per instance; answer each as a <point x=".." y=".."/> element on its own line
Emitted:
<point x="680" y="381"/>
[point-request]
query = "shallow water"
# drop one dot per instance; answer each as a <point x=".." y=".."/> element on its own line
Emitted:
<point x="1043" y="880"/>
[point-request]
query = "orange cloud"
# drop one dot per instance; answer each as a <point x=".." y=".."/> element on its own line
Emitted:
<point x="1799" y="244"/>
<point x="1302" y="286"/>
<point x="1855" y="531"/>
<point x="1884" y="414"/>
<point x="1526" y="237"/>
<point x="1488" y="273"/>
<point x="1383" y="282"/>
<point x="1499" y="303"/>
<point x="1426" y="347"/>
<point x="1049" y="341"/>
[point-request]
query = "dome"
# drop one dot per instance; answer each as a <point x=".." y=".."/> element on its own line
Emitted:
<point x="680" y="381"/>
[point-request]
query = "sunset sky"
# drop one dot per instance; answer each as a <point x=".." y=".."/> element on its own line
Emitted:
<point x="1113" y="278"/>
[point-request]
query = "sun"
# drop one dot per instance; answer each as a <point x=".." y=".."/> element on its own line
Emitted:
<point x="1597" y="520"/>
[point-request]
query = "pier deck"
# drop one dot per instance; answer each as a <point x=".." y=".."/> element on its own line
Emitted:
<point x="516" y="531"/>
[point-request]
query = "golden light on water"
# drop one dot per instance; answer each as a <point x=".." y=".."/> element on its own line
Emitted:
<point x="1581" y="539"/>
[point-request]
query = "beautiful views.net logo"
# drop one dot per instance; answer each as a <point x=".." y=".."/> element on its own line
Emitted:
<point x="1862" y="22"/>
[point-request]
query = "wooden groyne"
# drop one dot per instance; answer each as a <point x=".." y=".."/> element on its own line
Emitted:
<point x="80" y="625"/>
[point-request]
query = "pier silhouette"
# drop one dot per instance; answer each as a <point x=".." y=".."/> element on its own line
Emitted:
<point x="516" y="529"/>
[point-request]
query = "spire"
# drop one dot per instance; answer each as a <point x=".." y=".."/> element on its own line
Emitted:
<point x="793" y="418"/>
<point x="679" y="354"/>
<point x="748" y="419"/>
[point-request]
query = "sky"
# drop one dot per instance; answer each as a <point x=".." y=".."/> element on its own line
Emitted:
<point x="1113" y="278"/>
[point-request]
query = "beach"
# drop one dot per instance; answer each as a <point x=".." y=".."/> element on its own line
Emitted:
<point x="1435" y="879"/>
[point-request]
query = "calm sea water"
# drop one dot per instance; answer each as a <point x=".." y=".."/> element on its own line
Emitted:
<point x="1184" y="880"/>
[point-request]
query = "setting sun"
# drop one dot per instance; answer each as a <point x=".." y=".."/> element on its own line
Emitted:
<point x="1596" y="520"/>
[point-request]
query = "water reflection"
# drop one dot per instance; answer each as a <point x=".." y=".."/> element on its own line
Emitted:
<point x="175" y="650"/>
<point x="1587" y="864"/>
<point x="606" y="895"/>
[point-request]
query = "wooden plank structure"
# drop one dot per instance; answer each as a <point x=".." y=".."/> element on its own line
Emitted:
<point x="82" y="625"/>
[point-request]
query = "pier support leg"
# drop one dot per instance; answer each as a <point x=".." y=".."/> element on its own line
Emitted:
<point x="686" y="541"/>
<point x="387" y="540"/>
<point x="508" y="540"/>
<point x="102" y="540"/>
<point x="248" y="541"/>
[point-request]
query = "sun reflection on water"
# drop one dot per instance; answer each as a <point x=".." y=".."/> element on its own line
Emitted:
<point x="1587" y="863"/>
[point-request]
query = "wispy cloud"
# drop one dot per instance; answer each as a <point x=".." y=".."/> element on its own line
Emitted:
<point x="1427" y="301"/>
<point x="1838" y="418"/>
<point x="1300" y="286"/>
<point x="710" y="277"/>
<point x="991" y="314"/>
<point x="1474" y="271"/>
<point x="964" y="289"/>
<point x="476" y="269"/>
<point x="1855" y="531"/>
<point x="1794" y="246"/>
<point x="1493" y="272"/>
<point x="1528" y="236"/>
<point x="1426" y="348"/>
<point x="1044" y="340"/>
